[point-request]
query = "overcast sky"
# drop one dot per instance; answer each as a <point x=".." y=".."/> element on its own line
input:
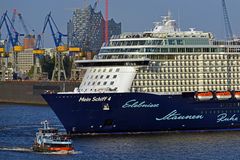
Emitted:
<point x="135" y="15"/>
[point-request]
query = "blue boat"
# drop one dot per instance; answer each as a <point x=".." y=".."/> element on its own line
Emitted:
<point x="161" y="80"/>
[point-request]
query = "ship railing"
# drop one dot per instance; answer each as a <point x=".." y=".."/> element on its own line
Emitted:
<point x="49" y="91"/>
<point x="226" y="43"/>
<point x="128" y="35"/>
<point x="58" y="138"/>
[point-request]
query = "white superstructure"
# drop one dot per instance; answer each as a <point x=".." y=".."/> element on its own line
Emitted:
<point x="179" y="61"/>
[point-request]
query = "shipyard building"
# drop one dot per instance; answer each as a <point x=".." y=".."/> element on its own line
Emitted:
<point x="86" y="29"/>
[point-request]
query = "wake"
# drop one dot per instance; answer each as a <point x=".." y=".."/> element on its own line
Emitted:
<point x="22" y="149"/>
<point x="16" y="149"/>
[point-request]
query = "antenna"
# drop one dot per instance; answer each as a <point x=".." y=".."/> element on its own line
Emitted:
<point x="179" y="20"/>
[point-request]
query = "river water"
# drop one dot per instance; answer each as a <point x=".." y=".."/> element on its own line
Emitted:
<point x="19" y="123"/>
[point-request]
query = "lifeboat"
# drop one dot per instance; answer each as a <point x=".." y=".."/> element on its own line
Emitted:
<point x="223" y="95"/>
<point x="237" y="95"/>
<point x="204" y="96"/>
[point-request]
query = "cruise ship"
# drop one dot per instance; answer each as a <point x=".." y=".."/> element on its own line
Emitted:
<point x="160" y="80"/>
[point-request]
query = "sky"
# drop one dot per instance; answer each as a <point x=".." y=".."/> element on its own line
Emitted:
<point x="135" y="15"/>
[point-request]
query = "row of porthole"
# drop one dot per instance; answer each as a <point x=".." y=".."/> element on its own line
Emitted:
<point x="101" y="76"/>
<point x="98" y="83"/>
<point x="98" y="89"/>
<point x="159" y="49"/>
<point x="179" y="89"/>
<point x="198" y="78"/>
<point x="177" y="57"/>
<point x="222" y="111"/>
<point x="105" y="70"/>
<point x="175" y="89"/>
<point x="67" y="97"/>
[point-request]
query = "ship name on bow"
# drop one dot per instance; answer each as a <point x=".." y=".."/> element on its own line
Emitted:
<point x="94" y="99"/>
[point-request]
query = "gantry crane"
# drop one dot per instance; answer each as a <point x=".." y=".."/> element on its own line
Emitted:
<point x="58" y="71"/>
<point x="228" y="28"/>
<point x="38" y="52"/>
<point x="73" y="50"/>
<point x="24" y="25"/>
<point x="8" y="42"/>
<point x="13" y="38"/>
<point x="229" y="36"/>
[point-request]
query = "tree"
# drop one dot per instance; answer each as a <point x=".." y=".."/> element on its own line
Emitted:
<point x="47" y="64"/>
<point x="67" y="62"/>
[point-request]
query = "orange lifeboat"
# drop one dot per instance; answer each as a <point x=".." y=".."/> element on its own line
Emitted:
<point x="237" y="95"/>
<point x="204" y="96"/>
<point x="223" y="95"/>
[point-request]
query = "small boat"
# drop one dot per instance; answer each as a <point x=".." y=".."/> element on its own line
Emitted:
<point x="237" y="95"/>
<point x="223" y="95"/>
<point x="49" y="140"/>
<point x="204" y="96"/>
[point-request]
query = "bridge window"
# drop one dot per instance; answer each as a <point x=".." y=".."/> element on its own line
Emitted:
<point x="206" y="49"/>
<point x="189" y="49"/>
<point x="173" y="50"/>
<point x="171" y="42"/>
<point x="181" y="50"/>
<point x="179" y="42"/>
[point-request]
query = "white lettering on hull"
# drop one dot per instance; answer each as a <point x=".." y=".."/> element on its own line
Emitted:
<point x="94" y="99"/>
<point x="136" y="104"/>
<point x="225" y="118"/>
<point x="174" y="115"/>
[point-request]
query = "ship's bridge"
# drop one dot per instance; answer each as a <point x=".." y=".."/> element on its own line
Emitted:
<point x="115" y="75"/>
<point x="111" y="62"/>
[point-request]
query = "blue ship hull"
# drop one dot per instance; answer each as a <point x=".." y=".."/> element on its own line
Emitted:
<point x="142" y="112"/>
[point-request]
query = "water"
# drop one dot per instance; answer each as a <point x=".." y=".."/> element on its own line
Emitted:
<point x="18" y="125"/>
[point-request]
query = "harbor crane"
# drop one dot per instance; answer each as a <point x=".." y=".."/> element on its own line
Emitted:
<point x="58" y="72"/>
<point x="14" y="39"/>
<point x="38" y="52"/>
<point x="228" y="28"/>
<point x="23" y="24"/>
<point x="73" y="50"/>
<point x="27" y="33"/>
<point x="229" y="36"/>
<point x="8" y="42"/>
